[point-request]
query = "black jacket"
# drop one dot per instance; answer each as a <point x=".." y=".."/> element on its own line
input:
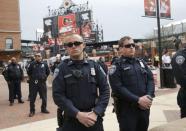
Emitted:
<point x="179" y="66"/>
<point x="130" y="78"/>
<point x="75" y="87"/>
<point x="14" y="72"/>
<point x="38" y="71"/>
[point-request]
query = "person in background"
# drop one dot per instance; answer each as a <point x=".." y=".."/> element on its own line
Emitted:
<point x="5" y="75"/>
<point x="132" y="88"/>
<point x="115" y="55"/>
<point x="156" y="60"/>
<point x="38" y="72"/>
<point x="101" y="62"/>
<point x="166" y="59"/>
<point x="179" y="69"/>
<point x="14" y="77"/>
<point x="56" y="63"/>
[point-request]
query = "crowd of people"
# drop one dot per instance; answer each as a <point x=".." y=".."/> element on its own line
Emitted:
<point x="81" y="85"/>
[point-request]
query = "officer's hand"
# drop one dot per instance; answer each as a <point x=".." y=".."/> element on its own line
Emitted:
<point x="92" y="115"/>
<point x="144" y="102"/>
<point x="83" y="117"/>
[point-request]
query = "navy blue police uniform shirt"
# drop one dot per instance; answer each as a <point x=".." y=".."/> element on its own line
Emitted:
<point x="130" y="78"/>
<point x="80" y="94"/>
<point x="38" y="71"/>
<point x="14" y="72"/>
<point x="178" y="63"/>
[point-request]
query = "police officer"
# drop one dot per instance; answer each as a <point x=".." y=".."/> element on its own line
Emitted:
<point x="5" y="75"/>
<point x="38" y="72"/>
<point x="14" y="77"/>
<point x="75" y="89"/>
<point x="179" y="69"/>
<point x="56" y="63"/>
<point x="132" y="88"/>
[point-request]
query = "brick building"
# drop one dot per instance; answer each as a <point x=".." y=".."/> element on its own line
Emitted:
<point x="10" y="32"/>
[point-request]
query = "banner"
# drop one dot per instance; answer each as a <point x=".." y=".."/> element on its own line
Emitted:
<point x="84" y="21"/>
<point x="150" y="7"/>
<point x="48" y="24"/>
<point x="67" y="24"/>
<point x="165" y="10"/>
<point x="83" y="16"/>
<point x="86" y="29"/>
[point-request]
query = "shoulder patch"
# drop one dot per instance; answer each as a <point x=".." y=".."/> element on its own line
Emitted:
<point x="180" y="60"/>
<point x="56" y="72"/>
<point x="112" y="69"/>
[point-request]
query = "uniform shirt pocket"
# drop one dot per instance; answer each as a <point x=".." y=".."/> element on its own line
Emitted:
<point x="71" y="85"/>
<point x="93" y="83"/>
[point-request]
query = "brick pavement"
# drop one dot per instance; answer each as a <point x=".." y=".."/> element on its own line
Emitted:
<point x="18" y="113"/>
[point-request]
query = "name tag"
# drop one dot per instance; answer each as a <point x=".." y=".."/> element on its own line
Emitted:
<point x="92" y="71"/>
<point x="142" y="65"/>
<point x="68" y="75"/>
<point x="42" y="66"/>
<point x="126" y="68"/>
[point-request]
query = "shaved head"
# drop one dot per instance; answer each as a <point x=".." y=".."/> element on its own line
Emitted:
<point x="73" y="37"/>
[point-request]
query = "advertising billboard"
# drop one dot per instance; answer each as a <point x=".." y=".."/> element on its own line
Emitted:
<point x="84" y="21"/>
<point x="150" y="7"/>
<point x="48" y="27"/>
<point x="165" y="10"/>
<point x="67" y="24"/>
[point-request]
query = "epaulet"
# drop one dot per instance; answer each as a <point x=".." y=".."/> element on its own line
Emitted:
<point x="65" y="61"/>
<point x="89" y="60"/>
<point x="116" y="61"/>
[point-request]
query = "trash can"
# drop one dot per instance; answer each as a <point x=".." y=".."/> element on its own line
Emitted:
<point x="168" y="77"/>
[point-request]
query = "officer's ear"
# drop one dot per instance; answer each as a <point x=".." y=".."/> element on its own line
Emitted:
<point x="84" y="46"/>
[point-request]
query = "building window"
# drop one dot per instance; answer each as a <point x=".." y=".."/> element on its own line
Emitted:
<point x="9" y="43"/>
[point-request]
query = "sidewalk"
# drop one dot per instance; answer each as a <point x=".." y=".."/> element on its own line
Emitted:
<point x="164" y="110"/>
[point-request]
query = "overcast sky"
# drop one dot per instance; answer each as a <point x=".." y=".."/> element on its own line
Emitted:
<point x="117" y="17"/>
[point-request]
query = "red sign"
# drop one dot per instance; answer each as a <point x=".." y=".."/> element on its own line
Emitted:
<point x="67" y="24"/>
<point x="150" y="7"/>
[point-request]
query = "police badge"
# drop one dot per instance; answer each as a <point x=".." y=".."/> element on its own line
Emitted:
<point x="180" y="60"/>
<point x="112" y="69"/>
<point x="92" y="71"/>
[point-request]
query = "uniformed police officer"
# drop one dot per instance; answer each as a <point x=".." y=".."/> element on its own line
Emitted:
<point x="56" y="63"/>
<point x="132" y="88"/>
<point x="38" y="72"/>
<point x="14" y="77"/>
<point x="75" y="89"/>
<point x="179" y="69"/>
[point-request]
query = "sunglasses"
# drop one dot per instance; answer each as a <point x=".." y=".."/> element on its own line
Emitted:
<point x="75" y="43"/>
<point x="129" y="45"/>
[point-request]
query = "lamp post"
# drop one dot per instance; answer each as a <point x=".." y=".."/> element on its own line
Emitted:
<point x="159" y="42"/>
